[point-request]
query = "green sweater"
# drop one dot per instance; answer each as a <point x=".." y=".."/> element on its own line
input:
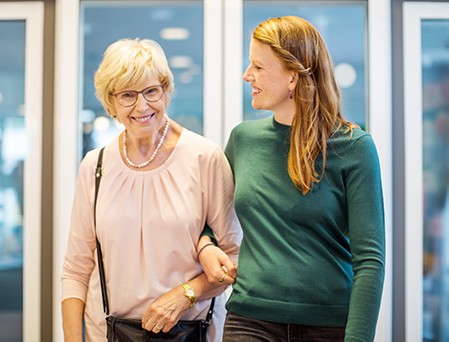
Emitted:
<point x="314" y="259"/>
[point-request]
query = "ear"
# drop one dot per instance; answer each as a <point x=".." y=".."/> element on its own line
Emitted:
<point x="293" y="81"/>
<point x="111" y="113"/>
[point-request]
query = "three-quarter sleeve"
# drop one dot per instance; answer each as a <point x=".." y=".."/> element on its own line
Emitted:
<point x="79" y="258"/>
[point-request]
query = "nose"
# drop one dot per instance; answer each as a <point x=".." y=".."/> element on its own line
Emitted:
<point x="141" y="103"/>
<point x="247" y="76"/>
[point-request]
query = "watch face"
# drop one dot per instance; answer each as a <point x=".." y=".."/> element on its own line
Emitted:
<point x="190" y="293"/>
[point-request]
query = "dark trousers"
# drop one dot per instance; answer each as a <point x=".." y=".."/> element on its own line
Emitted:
<point x="243" y="329"/>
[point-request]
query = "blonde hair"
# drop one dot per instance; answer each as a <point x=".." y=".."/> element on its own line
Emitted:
<point x="317" y="97"/>
<point x="128" y="62"/>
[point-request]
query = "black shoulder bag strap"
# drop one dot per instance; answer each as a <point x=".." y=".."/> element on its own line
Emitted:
<point x="98" y="174"/>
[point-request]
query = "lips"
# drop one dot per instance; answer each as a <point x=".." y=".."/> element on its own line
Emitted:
<point x="143" y="118"/>
<point x="256" y="91"/>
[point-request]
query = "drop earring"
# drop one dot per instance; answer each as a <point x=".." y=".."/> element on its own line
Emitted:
<point x="291" y="95"/>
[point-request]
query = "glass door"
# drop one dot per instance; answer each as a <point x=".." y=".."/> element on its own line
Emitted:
<point x="12" y="129"/>
<point x="20" y="129"/>
<point x="426" y="29"/>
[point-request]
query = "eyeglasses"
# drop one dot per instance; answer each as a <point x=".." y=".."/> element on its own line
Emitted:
<point x="128" y="98"/>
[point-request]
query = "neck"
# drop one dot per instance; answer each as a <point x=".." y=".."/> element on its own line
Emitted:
<point x="285" y="112"/>
<point x="125" y="151"/>
<point x="284" y="119"/>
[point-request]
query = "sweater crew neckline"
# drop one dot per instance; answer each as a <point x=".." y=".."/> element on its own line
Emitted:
<point x="278" y="126"/>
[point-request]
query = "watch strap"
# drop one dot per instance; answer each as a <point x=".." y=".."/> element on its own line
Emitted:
<point x="191" y="296"/>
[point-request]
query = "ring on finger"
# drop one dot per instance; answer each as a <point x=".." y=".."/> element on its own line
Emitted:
<point x="224" y="275"/>
<point x="157" y="327"/>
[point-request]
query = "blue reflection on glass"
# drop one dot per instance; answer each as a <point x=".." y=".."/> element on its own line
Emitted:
<point x="343" y="30"/>
<point x="12" y="155"/>
<point x="435" y="83"/>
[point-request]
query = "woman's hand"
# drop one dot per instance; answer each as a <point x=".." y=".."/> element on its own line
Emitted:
<point x="165" y="312"/>
<point x="217" y="266"/>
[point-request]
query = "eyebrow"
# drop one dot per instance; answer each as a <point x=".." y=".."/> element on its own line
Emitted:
<point x="256" y="62"/>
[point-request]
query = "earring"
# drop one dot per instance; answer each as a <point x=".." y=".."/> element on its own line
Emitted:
<point x="291" y="95"/>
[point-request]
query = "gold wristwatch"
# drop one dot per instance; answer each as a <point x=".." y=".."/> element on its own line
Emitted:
<point x="189" y="293"/>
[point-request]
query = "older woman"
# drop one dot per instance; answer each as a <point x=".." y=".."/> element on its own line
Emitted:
<point x="309" y="199"/>
<point x="161" y="184"/>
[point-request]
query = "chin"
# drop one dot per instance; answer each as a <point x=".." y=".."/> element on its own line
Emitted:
<point x="255" y="105"/>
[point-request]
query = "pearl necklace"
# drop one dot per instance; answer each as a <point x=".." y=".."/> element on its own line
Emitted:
<point x="125" y="153"/>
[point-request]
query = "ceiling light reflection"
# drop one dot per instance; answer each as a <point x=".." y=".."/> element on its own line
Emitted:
<point x="101" y="123"/>
<point x="177" y="62"/>
<point x="345" y="74"/>
<point x="174" y="33"/>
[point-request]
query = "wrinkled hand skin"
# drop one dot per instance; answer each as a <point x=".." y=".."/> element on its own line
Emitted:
<point x="166" y="311"/>
<point x="215" y="263"/>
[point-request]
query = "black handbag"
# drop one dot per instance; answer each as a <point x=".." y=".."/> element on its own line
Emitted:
<point x="131" y="330"/>
<point x="124" y="330"/>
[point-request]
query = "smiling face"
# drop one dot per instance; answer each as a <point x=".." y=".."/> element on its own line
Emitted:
<point x="270" y="80"/>
<point x="143" y="119"/>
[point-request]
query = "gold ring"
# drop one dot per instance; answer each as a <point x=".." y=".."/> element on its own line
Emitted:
<point x="157" y="328"/>
<point x="224" y="275"/>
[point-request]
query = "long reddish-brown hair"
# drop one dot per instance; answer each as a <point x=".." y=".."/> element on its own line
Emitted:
<point x="317" y="97"/>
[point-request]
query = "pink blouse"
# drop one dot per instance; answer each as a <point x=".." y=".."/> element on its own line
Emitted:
<point x="148" y="225"/>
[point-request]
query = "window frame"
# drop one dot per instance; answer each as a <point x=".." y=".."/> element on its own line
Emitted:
<point x="413" y="14"/>
<point x="33" y="15"/>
